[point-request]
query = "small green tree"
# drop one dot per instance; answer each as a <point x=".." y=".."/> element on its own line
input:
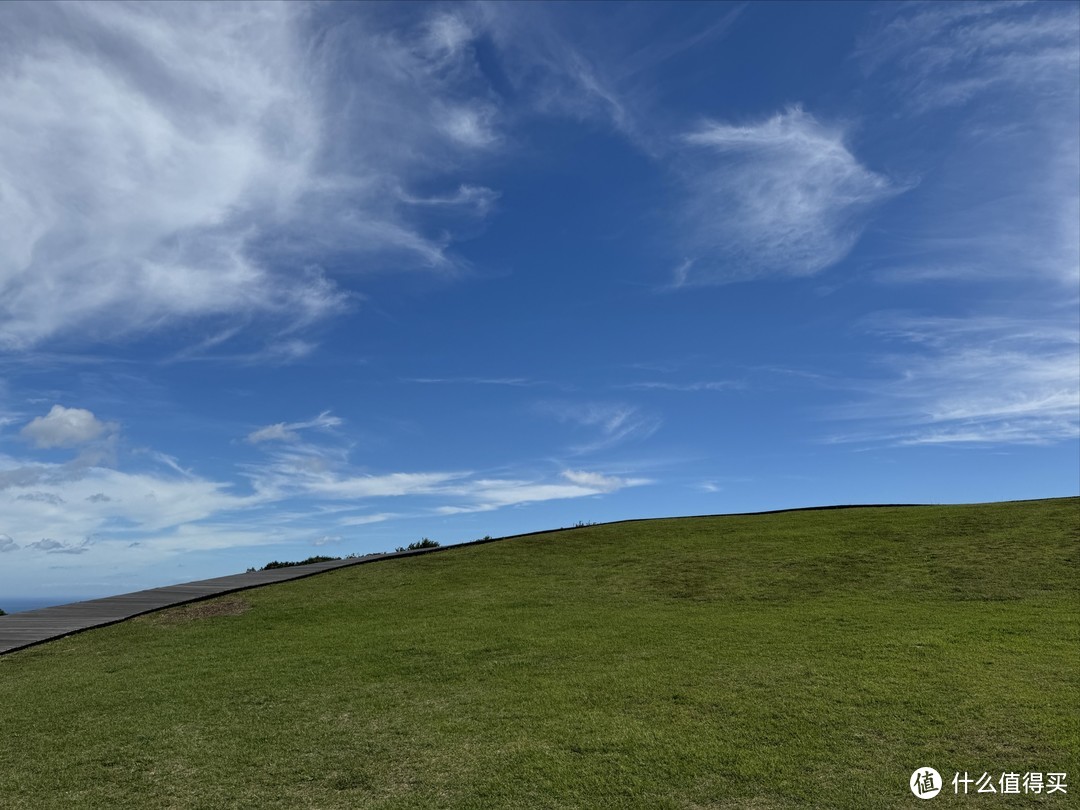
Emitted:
<point x="424" y="543"/>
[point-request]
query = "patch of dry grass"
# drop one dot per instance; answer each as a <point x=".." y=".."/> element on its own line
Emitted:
<point x="195" y="611"/>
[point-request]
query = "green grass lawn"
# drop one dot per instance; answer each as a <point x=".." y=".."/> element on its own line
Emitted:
<point x="804" y="659"/>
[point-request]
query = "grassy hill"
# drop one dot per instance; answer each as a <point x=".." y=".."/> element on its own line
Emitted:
<point x="802" y="659"/>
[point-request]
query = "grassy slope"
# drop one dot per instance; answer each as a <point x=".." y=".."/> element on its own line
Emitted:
<point x="802" y="659"/>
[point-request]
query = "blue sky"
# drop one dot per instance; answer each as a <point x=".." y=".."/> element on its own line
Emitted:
<point x="284" y="279"/>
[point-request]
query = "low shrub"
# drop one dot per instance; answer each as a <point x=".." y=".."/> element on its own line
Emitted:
<point x="424" y="543"/>
<point x="278" y="564"/>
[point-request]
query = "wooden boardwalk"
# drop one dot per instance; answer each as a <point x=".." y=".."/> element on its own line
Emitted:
<point x="20" y="630"/>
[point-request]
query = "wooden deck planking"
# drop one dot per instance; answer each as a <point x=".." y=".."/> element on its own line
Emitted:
<point x="21" y="630"/>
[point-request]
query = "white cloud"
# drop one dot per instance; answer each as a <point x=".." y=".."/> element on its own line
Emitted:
<point x="470" y="126"/>
<point x="951" y="54"/>
<point x="377" y="486"/>
<point x="274" y="352"/>
<point x="287" y="432"/>
<point x="478" y="198"/>
<point x="546" y="66"/>
<point x="599" y="482"/>
<point x="134" y="521"/>
<point x="199" y="537"/>
<point x="65" y="501"/>
<point x="596" y="66"/>
<point x="312" y="472"/>
<point x="516" y="382"/>
<point x="448" y="34"/>
<point x="64" y="427"/>
<point x="616" y="422"/>
<point x="50" y="546"/>
<point x="269" y="433"/>
<point x="704" y="385"/>
<point x="364" y="520"/>
<point x="1001" y="83"/>
<point x="782" y="197"/>
<point x="466" y="510"/>
<point x="174" y="161"/>
<point x="973" y="381"/>
<point x="490" y="494"/>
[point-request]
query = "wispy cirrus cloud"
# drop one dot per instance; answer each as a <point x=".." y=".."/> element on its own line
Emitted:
<point x="703" y="385"/>
<point x="603" y="66"/>
<point x="288" y="431"/>
<point x="365" y="520"/>
<point x="1003" y="80"/>
<point x="170" y="162"/>
<point x="614" y="422"/>
<point x="513" y="382"/>
<point x="949" y="54"/>
<point x="556" y="74"/>
<point x="487" y="495"/>
<point x="323" y="473"/>
<point x="974" y="381"/>
<point x="781" y="197"/>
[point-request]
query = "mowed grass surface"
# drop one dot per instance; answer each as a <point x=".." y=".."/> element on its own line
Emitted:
<point x="807" y="659"/>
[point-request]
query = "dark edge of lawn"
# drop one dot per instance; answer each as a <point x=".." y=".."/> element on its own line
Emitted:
<point x="378" y="557"/>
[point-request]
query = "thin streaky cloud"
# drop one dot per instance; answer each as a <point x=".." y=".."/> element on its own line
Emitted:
<point x="950" y="54"/>
<point x="364" y="520"/>
<point x="550" y="69"/>
<point x="990" y="380"/>
<point x="490" y="494"/>
<point x="288" y="431"/>
<point x="515" y="382"/>
<point x="708" y="385"/>
<point x="615" y="423"/>
<point x="655" y="53"/>
<point x="478" y="198"/>
<point x="1010" y="75"/>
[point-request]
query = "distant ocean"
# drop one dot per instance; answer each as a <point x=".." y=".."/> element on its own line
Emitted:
<point x="18" y="604"/>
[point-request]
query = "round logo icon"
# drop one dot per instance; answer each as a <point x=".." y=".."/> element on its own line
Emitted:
<point x="925" y="783"/>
